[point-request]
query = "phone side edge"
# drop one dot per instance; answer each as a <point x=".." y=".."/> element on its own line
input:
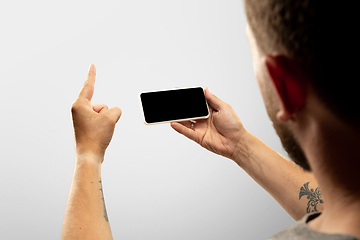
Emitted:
<point x="142" y="109"/>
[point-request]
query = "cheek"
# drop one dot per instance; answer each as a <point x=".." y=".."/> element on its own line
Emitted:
<point x="256" y="66"/>
<point x="257" y="74"/>
<point x="268" y="95"/>
<point x="263" y="81"/>
<point x="260" y="78"/>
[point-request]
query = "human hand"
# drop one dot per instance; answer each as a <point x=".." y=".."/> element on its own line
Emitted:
<point x="222" y="132"/>
<point x="93" y="123"/>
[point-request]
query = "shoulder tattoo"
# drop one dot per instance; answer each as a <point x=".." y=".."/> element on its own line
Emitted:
<point x="313" y="196"/>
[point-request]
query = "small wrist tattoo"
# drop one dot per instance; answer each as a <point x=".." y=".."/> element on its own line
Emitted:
<point x="102" y="194"/>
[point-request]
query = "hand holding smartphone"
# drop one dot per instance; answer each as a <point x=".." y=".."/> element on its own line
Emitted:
<point x="175" y="105"/>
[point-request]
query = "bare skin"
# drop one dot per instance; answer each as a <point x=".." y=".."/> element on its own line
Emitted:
<point x="85" y="215"/>
<point x="224" y="134"/>
<point x="329" y="145"/>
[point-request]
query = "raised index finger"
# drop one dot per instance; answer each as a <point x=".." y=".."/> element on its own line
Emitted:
<point x="88" y="88"/>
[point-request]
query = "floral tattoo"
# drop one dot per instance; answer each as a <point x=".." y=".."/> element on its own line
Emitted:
<point x="313" y="196"/>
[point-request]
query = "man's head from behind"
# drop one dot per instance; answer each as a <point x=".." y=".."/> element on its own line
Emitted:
<point x="299" y="38"/>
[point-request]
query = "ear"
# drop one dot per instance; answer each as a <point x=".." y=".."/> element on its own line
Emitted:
<point x="290" y="84"/>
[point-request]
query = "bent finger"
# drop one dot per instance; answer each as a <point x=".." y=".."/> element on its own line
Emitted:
<point x="99" y="108"/>
<point x="114" y="113"/>
<point x="185" y="129"/>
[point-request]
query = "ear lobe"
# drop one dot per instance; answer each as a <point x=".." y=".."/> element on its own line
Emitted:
<point x="289" y="83"/>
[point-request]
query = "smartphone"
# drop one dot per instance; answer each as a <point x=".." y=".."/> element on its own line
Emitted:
<point x="175" y="105"/>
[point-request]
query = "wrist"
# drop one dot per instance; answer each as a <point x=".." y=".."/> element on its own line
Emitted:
<point x="242" y="150"/>
<point x="89" y="148"/>
<point x="89" y="158"/>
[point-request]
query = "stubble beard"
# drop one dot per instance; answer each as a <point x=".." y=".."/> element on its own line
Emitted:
<point x="291" y="145"/>
<point x="288" y="140"/>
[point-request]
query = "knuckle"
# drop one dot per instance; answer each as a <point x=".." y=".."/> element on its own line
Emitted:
<point x="109" y="119"/>
<point x="228" y="106"/>
<point x="119" y="110"/>
<point x="74" y="107"/>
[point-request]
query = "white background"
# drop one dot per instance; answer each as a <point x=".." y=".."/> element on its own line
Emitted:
<point x="157" y="184"/>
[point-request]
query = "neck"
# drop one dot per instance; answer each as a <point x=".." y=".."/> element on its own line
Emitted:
<point x="332" y="149"/>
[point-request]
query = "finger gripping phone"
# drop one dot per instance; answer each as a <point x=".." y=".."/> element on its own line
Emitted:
<point x="175" y="105"/>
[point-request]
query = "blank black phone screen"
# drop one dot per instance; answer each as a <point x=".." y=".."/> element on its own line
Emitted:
<point x="172" y="105"/>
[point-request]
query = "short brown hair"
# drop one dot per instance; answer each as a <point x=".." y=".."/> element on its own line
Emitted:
<point x="309" y="31"/>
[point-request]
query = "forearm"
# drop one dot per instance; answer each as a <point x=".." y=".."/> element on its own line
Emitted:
<point x="280" y="177"/>
<point x="85" y="214"/>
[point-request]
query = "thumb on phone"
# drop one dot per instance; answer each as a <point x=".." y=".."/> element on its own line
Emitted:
<point x="213" y="101"/>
